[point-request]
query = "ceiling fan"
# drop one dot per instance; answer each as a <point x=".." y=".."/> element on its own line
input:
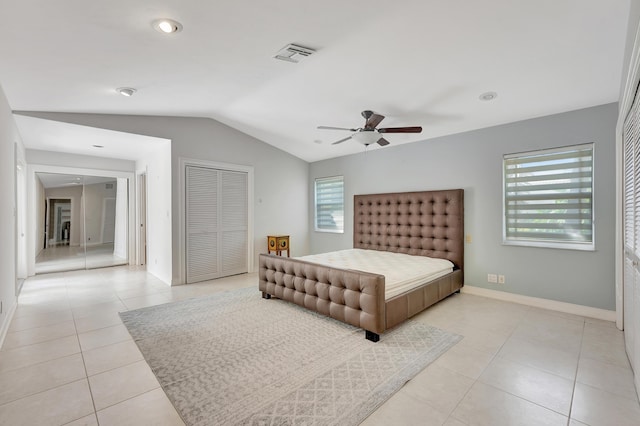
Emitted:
<point x="369" y="134"/>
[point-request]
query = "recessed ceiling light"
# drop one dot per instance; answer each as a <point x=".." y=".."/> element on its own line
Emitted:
<point x="488" y="96"/>
<point x="98" y="146"/>
<point x="167" y="26"/>
<point x="126" y="91"/>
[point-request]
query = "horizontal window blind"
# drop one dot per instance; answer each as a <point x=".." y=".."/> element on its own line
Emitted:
<point x="329" y="204"/>
<point x="548" y="196"/>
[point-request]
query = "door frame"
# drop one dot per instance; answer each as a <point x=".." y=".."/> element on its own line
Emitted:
<point x="141" y="212"/>
<point x="20" y="216"/>
<point x="182" y="220"/>
<point x="50" y="228"/>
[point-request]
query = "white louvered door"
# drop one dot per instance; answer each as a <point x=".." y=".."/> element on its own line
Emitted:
<point x="216" y="223"/>
<point x="631" y="276"/>
<point x="234" y="222"/>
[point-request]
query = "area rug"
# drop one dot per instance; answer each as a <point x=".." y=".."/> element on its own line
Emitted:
<point x="235" y="358"/>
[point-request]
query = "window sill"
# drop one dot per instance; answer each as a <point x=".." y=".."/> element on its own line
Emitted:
<point x="551" y="245"/>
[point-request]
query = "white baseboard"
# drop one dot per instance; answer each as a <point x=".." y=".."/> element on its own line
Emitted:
<point x="5" y="326"/>
<point x="554" y="305"/>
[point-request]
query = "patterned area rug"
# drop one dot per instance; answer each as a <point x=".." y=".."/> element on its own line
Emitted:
<point x="235" y="358"/>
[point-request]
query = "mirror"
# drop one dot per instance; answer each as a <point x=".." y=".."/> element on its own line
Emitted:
<point x="82" y="222"/>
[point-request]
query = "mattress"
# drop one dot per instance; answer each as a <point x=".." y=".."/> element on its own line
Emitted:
<point x="402" y="272"/>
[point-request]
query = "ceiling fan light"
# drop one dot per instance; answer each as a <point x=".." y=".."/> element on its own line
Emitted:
<point x="367" y="138"/>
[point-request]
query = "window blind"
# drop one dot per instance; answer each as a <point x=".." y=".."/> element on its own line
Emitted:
<point x="329" y="204"/>
<point x="548" y="196"/>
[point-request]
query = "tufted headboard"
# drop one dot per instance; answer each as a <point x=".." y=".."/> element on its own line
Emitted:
<point x="427" y="223"/>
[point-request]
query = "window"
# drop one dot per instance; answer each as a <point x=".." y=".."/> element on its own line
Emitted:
<point x="329" y="204"/>
<point x="548" y="198"/>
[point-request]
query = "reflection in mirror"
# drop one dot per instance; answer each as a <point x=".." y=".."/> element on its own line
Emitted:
<point x="82" y="222"/>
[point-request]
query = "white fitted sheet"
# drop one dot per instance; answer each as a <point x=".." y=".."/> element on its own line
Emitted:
<point x="402" y="272"/>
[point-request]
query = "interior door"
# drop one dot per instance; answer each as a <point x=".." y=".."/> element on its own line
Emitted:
<point x="216" y="222"/>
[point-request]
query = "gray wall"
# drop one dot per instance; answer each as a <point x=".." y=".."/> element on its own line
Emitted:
<point x="473" y="161"/>
<point x="281" y="180"/>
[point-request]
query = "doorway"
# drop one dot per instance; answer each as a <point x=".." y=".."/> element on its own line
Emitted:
<point x="82" y="222"/>
<point x="58" y="222"/>
<point x="20" y="220"/>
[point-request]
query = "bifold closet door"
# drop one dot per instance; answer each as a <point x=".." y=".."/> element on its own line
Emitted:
<point x="631" y="276"/>
<point x="216" y="222"/>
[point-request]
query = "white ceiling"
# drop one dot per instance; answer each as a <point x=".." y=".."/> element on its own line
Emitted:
<point x="48" y="135"/>
<point x="419" y="62"/>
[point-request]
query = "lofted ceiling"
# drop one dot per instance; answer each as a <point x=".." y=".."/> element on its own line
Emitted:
<point x="418" y="62"/>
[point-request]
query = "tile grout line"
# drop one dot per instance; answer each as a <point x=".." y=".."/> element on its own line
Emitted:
<point x="43" y="390"/>
<point x="575" y="378"/>
<point x="476" y="380"/>
<point x="518" y="396"/>
<point x="84" y="365"/>
<point x="37" y="343"/>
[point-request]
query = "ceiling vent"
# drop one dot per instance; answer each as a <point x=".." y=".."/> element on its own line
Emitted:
<point x="293" y="53"/>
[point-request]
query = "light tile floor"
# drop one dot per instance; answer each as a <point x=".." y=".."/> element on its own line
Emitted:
<point x="71" y="258"/>
<point x="67" y="359"/>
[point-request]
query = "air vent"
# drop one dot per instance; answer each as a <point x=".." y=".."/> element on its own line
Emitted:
<point x="294" y="53"/>
<point x="108" y="186"/>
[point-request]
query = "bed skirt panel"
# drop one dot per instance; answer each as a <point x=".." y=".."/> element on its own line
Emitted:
<point x="406" y="305"/>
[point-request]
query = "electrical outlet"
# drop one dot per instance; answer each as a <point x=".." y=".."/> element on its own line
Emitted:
<point x="500" y="279"/>
<point x="492" y="278"/>
<point x="468" y="239"/>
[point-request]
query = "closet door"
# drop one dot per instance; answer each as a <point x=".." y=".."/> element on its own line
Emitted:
<point x="631" y="276"/>
<point x="630" y="261"/>
<point x="235" y="220"/>
<point x="216" y="222"/>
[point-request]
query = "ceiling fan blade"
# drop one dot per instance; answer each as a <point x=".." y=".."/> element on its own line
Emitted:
<point x="415" y="129"/>
<point x="341" y="140"/>
<point x="373" y="120"/>
<point x="383" y="142"/>
<point x="336" y="128"/>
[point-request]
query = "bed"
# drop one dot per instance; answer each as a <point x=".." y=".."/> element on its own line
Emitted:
<point x="427" y="223"/>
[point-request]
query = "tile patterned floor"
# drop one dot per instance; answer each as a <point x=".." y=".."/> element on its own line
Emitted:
<point x="68" y="360"/>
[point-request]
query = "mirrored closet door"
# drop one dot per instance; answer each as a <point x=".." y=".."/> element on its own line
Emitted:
<point x="82" y="222"/>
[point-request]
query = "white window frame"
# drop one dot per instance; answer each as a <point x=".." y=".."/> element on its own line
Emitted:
<point x="547" y="243"/>
<point x="340" y="224"/>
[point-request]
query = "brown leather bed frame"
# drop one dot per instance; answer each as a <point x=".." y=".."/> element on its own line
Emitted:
<point x="427" y="223"/>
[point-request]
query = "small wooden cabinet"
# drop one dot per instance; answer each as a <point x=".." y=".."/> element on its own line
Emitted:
<point x="278" y="243"/>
